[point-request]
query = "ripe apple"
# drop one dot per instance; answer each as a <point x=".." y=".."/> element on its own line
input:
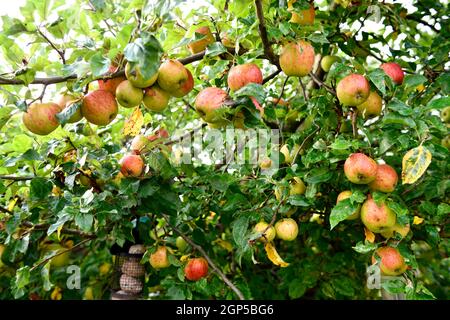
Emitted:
<point x="353" y="90"/>
<point x="397" y="228"/>
<point x="99" y="107"/>
<point x="110" y="84"/>
<point x="40" y="118"/>
<point x="156" y="99"/>
<point x="327" y="62"/>
<point x="159" y="134"/>
<point x="200" y="45"/>
<point x="386" y="179"/>
<point x="377" y="218"/>
<point x="138" y="143"/>
<point x="175" y="78"/>
<point x="344" y="195"/>
<point x="65" y="101"/>
<point x="394" y="71"/>
<point x="137" y="79"/>
<point x="372" y="106"/>
<point x="132" y="165"/>
<point x="360" y="169"/>
<point x="196" y="269"/>
<point x="269" y="235"/>
<point x="445" y="115"/>
<point x="304" y="17"/>
<point x="128" y="95"/>
<point x="208" y="101"/>
<point x="392" y="262"/>
<point x="159" y="258"/>
<point x="286" y="229"/>
<point x="181" y="243"/>
<point x="243" y="74"/>
<point x="297" y="59"/>
<point x="297" y="187"/>
<point x="226" y="40"/>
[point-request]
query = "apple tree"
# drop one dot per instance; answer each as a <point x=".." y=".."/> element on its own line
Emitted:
<point x="97" y="96"/>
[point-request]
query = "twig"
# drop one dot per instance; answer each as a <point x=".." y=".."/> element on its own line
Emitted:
<point x="44" y="226"/>
<point x="60" y="52"/>
<point x="321" y="84"/>
<point x="185" y="135"/>
<point x="271" y="76"/>
<point x="41" y="96"/>
<point x="109" y="27"/>
<point x="303" y="144"/>
<point x="303" y="89"/>
<point x="15" y="178"/>
<point x="210" y="262"/>
<point x="282" y="89"/>
<point x="354" y="113"/>
<point x="6" y="210"/>
<point x="410" y="17"/>
<point x="263" y="33"/>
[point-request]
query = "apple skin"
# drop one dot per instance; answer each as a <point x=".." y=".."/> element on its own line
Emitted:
<point x="287" y="154"/>
<point x="200" y="45"/>
<point x="394" y="71"/>
<point x="137" y="79"/>
<point x="110" y="84"/>
<point x="376" y="218"/>
<point x="40" y="118"/>
<point x="159" y="134"/>
<point x="265" y="163"/>
<point x="353" y="90"/>
<point x="196" y="269"/>
<point x="386" y="179"/>
<point x="64" y="101"/>
<point x="243" y="74"/>
<point x="128" y="95"/>
<point x="392" y="262"/>
<point x="372" y="106"/>
<point x="175" y="78"/>
<point x="181" y="244"/>
<point x="297" y="187"/>
<point x="445" y="142"/>
<point x="156" y="99"/>
<point x="132" y="165"/>
<point x="60" y="260"/>
<point x="159" y="259"/>
<point x="139" y="143"/>
<point x="344" y="195"/>
<point x="208" y="101"/>
<point x="297" y="59"/>
<point x="327" y="62"/>
<point x="286" y="229"/>
<point x="402" y="230"/>
<point x="99" y="107"/>
<point x="269" y="235"/>
<point x="445" y="115"/>
<point x="304" y="17"/>
<point x="360" y="169"/>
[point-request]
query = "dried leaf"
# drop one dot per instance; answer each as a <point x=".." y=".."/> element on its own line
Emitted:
<point x="417" y="220"/>
<point x="273" y="255"/>
<point x="370" y="236"/>
<point x="133" y="124"/>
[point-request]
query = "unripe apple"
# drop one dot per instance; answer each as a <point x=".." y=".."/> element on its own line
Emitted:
<point x="344" y="195"/>
<point x="110" y="85"/>
<point x="297" y="187"/>
<point x="136" y="77"/>
<point x="397" y="228"/>
<point x="327" y="62"/>
<point x="181" y="243"/>
<point x="175" y="78"/>
<point x="159" y="258"/>
<point x="132" y="165"/>
<point x="392" y="262"/>
<point x="196" y="269"/>
<point x="372" y="106"/>
<point x="99" y="107"/>
<point x="208" y="101"/>
<point x="445" y="114"/>
<point x="40" y="118"/>
<point x="60" y="260"/>
<point x="239" y="121"/>
<point x="297" y="59"/>
<point x="353" y="90"/>
<point x="241" y="75"/>
<point x="394" y="71"/>
<point x="286" y="229"/>
<point x="270" y="233"/>
<point x="377" y="218"/>
<point x="65" y="101"/>
<point x="156" y="99"/>
<point x="304" y="17"/>
<point x="128" y="95"/>
<point x="360" y="169"/>
<point x="200" y="45"/>
<point x="386" y="179"/>
<point x="265" y="163"/>
<point x="445" y="142"/>
<point x="88" y="294"/>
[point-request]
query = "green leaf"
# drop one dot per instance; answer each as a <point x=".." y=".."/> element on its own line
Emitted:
<point x="215" y="49"/>
<point x="413" y="80"/>
<point x="317" y="175"/>
<point x="21" y="281"/>
<point x="67" y="113"/>
<point x="40" y="188"/>
<point x="252" y="90"/>
<point x="239" y="227"/>
<point x="391" y="118"/>
<point x="437" y="104"/>
<point x="99" y="64"/>
<point x="341" y="211"/>
<point x="377" y="78"/>
<point x="364" y="247"/>
<point x="319" y="38"/>
<point x="400" y="107"/>
<point x="299" y="201"/>
<point x="84" y="221"/>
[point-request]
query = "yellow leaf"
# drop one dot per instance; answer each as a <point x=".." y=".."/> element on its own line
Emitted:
<point x="184" y="258"/>
<point x="370" y="236"/>
<point x="134" y="123"/>
<point x="12" y="203"/>
<point x="58" y="232"/>
<point x="56" y="294"/>
<point x="224" y="244"/>
<point x="417" y="220"/>
<point x="273" y="255"/>
<point x="414" y="164"/>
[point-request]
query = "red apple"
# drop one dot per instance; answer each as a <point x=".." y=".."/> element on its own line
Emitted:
<point x="110" y="84"/>
<point x="208" y="101"/>
<point x="386" y="179"/>
<point x="243" y="74"/>
<point x="360" y="169"/>
<point x="175" y="78"/>
<point x="353" y="90"/>
<point x="297" y="59"/>
<point x="99" y="107"/>
<point x="304" y="17"/>
<point x="132" y="165"/>
<point x="200" y="45"/>
<point x="196" y="269"/>
<point x="40" y="118"/>
<point x="394" y="71"/>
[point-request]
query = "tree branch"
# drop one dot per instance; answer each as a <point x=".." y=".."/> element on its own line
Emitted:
<point x="210" y="262"/>
<point x="44" y="226"/>
<point x="263" y="33"/>
<point x="60" y="52"/>
<point x="15" y="178"/>
<point x="321" y="84"/>
<point x="185" y="135"/>
<point x="271" y="76"/>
